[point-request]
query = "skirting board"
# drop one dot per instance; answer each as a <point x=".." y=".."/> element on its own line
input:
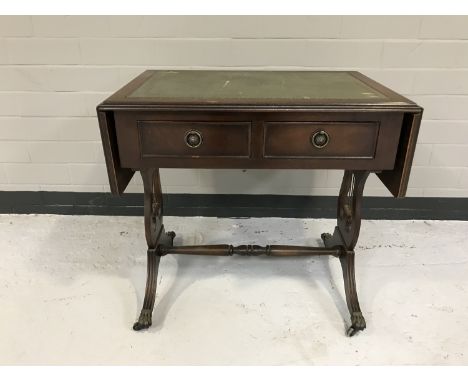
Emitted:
<point x="226" y="205"/>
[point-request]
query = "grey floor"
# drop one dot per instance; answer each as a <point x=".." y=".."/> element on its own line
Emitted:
<point x="70" y="289"/>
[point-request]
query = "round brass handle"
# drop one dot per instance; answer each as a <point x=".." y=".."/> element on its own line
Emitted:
<point x="320" y="139"/>
<point x="193" y="139"/>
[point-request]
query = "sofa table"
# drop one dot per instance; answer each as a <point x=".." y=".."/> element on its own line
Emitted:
<point x="258" y="120"/>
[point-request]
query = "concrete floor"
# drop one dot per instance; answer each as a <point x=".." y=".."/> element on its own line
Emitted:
<point x="71" y="287"/>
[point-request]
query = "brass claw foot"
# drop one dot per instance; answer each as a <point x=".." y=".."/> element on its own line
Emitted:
<point x="144" y="322"/>
<point x="358" y="323"/>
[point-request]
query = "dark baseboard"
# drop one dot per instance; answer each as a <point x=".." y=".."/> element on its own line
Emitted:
<point x="224" y="205"/>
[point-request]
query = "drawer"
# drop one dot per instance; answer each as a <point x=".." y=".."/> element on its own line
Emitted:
<point x="334" y="140"/>
<point x="194" y="139"/>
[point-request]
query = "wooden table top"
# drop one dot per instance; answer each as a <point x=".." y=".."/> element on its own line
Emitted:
<point x="256" y="89"/>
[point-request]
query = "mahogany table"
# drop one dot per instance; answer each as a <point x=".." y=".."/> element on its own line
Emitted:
<point x="261" y="120"/>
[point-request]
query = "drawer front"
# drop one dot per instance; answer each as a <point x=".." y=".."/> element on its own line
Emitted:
<point x="338" y="140"/>
<point x="194" y="139"/>
<point x="199" y="139"/>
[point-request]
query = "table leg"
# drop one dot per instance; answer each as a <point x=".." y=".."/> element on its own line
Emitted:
<point x="155" y="236"/>
<point x="345" y="236"/>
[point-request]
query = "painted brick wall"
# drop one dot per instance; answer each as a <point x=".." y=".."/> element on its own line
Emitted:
<point x="55" y="69"/>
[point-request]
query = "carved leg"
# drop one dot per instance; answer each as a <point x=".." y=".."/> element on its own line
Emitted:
<point x="150" y="293"/>
<point x="345" y="237"/>
<point x="357" y="320"/>
<point x="155" y="236"/>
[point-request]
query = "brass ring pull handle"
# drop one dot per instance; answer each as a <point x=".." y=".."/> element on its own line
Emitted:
<point x="320" y="139"/>
<point x="193" y="139"/>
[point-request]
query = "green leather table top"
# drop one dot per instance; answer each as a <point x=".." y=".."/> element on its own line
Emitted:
<point x="254" y="85"/>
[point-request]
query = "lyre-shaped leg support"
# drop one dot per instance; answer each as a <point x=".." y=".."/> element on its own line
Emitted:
<point x="340" y="244"/>
<point x="155" y="236"/>
<point x="345" y="237"/>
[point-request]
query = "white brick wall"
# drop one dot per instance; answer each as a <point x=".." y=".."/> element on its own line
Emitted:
<point x="55" y="69"/>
